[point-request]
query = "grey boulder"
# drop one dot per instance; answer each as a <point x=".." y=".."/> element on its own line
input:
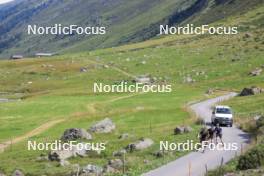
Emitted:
<point x="251" y="91"/>
<point x="104" y="126"/>
<point x="179" y="130"/>
<point x="91" y="170"/>
<point x="119" y="153"/>
<point x="140" y="145"/>
<point x="116" y="164"/>
<point x="75" y="133"/>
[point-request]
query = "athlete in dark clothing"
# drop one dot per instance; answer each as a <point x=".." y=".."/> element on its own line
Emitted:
<point x="218" y="133"/>
<point x="203" y="134"/>
<point x="211" y="133"/>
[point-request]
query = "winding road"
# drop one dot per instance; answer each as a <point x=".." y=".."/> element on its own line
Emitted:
<point x="195" y="163"/>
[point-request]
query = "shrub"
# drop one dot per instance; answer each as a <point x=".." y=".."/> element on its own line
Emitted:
<point x="252" y="159"/>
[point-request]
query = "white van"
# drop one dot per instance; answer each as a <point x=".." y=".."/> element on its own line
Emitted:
<point x="222" y="115"/>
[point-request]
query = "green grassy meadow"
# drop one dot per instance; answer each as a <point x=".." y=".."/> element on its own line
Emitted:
<point x="54" y="88"/>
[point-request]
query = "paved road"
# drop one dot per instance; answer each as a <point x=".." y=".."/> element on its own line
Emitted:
<point x="197" y="161"/>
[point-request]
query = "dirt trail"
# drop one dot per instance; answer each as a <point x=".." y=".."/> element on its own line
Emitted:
<point x="46" y="126"/>
<point x="50" y="124"/>
<point x="194" y="163"/>
<point x="34" y="132"/>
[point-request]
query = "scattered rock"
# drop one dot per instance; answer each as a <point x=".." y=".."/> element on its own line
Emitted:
<point x="140" y="145"/>
<point x="130" y="147"/>
<point x="257" y="117"/>
<point x="143" y="79"/>
<point x="210" y="91"/>
<point x="248" y="35"/>
<point x="146" y="161"/>
<point x="106" y="66"/>
<point x="109" y="170"/>
<point x="119" y="153"/>
<point x="116" y="164"/>
<point x="179" y="130"/>
<point x="251" y="91"/>
<point x="143" y="62"/>
<point x="64" y="163"/>
<point x="256" y="72"/>
<point x="83" y="69"/>
<point x="159" y="154"/>
<point x="188" y="79"/>
<point x="17" y="173"/>
<point x="123" y="136"/>
<point x="91" y="170"/>
<point x="188" y="129"/>
<point x="104" y="126"/>
<point x="60" y="155"/>
<point x="182" y="129"/>
<point x="75" y="133"/>
<point x="200" y="73"/>
<point x="2" y="174"/>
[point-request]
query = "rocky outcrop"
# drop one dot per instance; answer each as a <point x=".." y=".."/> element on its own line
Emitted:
<point x="182" y="129"/>
<point x="104" y="126"/>
<point x="59" y="155"/>
<point x="251" y="91"/>
<point x="75" y="133"/>
<point x="140" y="145"/>
<point x="91" y="170"/>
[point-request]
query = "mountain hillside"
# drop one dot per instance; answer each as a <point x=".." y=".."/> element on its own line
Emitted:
<point x="125" y="21"/>
<point x="41" y="98"/>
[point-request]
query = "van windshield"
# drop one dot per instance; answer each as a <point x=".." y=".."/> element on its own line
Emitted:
<point x="223" y="111"/>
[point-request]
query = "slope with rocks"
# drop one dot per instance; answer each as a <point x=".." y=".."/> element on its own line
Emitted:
<point x="126" y="21"/>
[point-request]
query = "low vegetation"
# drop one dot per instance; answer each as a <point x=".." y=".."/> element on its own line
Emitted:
<point x="58" y="88"/>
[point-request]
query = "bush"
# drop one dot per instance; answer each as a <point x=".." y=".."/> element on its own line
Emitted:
<point x="252" y="159"/>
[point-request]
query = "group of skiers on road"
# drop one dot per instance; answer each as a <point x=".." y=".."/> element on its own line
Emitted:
<point x="206" y="134"/>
